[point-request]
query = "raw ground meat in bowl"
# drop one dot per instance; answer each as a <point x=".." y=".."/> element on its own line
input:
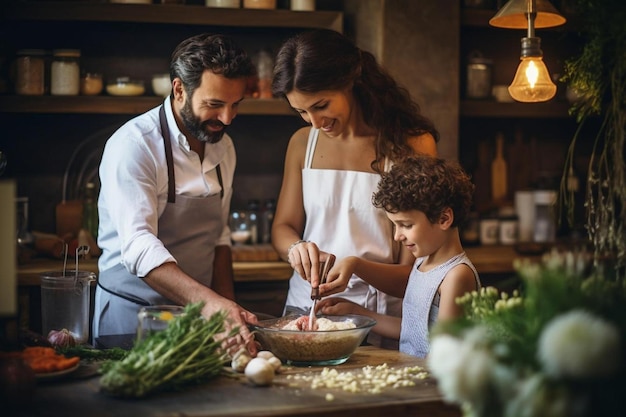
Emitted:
<point x="288" y="338"/>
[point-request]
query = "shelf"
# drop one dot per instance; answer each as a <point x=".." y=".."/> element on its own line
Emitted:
<point x="494" y="109"/>
<point x="121" y="105"/>
<point x="170" y="14"/>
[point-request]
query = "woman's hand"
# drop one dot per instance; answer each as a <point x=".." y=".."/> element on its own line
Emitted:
<point x="305" y="258"/>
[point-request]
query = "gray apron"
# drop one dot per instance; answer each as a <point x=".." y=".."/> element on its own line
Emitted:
<point x="188" y="228"/>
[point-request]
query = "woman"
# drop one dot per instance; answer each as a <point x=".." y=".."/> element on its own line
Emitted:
<point x="361" y="121"/>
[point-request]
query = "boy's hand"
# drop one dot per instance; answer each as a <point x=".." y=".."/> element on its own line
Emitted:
<point x="339" y="276"/>
<point x="336" y="306"/>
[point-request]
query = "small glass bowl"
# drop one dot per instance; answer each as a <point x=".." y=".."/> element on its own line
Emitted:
<point x="156" y="318"/>
<point x="125" y="86"/>
<point x="161" y="85"/>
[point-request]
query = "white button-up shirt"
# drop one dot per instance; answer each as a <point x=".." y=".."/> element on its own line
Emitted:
<point x="133" y="191"/>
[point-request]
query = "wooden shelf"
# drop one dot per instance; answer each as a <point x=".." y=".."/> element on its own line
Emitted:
<point x="494" y="109"/>
<point x="121" y="105"/>
<point x="169" y="14"/>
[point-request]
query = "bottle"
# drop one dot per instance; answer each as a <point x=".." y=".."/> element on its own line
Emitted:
<point x="267" y="217"/>
<point x="90" y="210"/>
<point x="253" y="216"/>
<point x="499" y="180"/>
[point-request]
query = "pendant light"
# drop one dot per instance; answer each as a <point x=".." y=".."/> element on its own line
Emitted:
<point x="532" y="81"/>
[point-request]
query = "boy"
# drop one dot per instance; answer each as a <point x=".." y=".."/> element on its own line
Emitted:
<point x="427" y="199"/>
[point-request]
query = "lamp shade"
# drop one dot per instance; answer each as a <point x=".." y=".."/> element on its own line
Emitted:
<point x="532" y="81"/>
<point x="513" y="15"/>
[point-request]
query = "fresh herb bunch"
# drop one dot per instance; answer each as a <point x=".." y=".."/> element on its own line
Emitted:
<point x="187" y="352"/>
<point x="91" y="354"/>
<point x="557" y="348"/>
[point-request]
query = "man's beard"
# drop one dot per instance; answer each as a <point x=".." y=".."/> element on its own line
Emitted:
<point x="198" y="128"/>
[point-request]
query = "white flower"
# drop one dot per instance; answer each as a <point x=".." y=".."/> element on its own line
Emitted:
<point x="462" y="366"/>
<point x="534" y="398"/>
<point x="445" y="363"/>
<point x="579" y="344"/>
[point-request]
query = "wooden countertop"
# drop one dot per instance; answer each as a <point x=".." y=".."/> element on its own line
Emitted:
<point x="261" y="263"/>
<point x="233" y="396"/>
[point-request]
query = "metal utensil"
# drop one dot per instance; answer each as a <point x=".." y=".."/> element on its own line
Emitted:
<point x="324" y="268"/>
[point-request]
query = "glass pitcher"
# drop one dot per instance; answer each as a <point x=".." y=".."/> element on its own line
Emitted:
<point x="66" y="302"/>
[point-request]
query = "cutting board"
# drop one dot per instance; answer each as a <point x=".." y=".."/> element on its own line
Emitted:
<point x="499" y="171"/>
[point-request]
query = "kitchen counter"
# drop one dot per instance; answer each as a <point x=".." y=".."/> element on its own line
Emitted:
<point x="261" y="278"/>
<point x="261" y="263"/>
<point x="232" y="396"/>
<point x="250" y="264"/>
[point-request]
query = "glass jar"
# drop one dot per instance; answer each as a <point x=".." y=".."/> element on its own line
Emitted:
<point x="30" y="69"/>
<point x="303" y="5"/>
<point x="545" y="222"/>
<point x="65" y="72"/>
<point x="264" y="65"/>
<point x="508" y="226"/>
<point x="231" y="4"/>
<point x="259" y="4"/>
<point x="91" y="84"/>
<point x="489" y="230"/>
<point x="479" y="71"/>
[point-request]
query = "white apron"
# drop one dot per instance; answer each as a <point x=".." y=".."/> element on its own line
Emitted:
<point x="341" y="219"/>
<point x="188" y="228"/>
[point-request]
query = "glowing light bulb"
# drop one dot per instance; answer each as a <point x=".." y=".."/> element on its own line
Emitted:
<point x="532" y="81"/>
<point x="532" y="73"/>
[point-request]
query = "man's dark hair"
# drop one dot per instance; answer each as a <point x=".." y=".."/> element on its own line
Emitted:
<point x="217" y="53"/>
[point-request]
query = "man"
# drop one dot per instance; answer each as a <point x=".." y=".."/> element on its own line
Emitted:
<point x="166" y="185"/>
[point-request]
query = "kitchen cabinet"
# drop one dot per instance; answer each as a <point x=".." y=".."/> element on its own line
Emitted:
<point x="537" y="135"/>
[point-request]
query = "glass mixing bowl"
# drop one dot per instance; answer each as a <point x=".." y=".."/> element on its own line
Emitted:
<point x="312" y="348"/>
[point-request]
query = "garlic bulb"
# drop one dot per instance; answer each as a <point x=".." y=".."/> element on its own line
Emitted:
<point x="259" y="372"/>
<point x="61" y="338"/>
<point x="240" y="360"/>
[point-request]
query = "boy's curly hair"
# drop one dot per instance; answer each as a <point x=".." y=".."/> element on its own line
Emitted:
<point x="427" y="184"/>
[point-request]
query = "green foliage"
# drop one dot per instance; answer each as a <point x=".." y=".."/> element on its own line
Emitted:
<point x="187" y="352"/>
<point x="517" y="320"/>
<point x="86" y="353"/>
<point x="598" y="75"/>
<point x="555" y="349"/>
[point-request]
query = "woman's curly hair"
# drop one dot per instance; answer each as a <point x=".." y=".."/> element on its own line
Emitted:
<point x="428" y="184"/>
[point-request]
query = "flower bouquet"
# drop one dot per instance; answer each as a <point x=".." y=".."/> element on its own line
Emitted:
<point x="556" y="348"/>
